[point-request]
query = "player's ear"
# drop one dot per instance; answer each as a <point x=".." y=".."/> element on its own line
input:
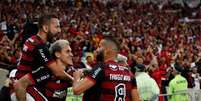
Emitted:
<point x="57" y="54"/>
<point x="45" y="28"/>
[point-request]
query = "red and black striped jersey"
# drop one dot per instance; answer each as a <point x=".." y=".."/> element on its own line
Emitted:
<point x="51" y="87"/>
<point x="35" y="53"/>
<point x="115" y="80"/>
<point x="55" y="88"/>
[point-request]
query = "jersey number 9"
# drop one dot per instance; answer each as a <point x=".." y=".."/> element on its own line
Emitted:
<point x="120" y="92"/>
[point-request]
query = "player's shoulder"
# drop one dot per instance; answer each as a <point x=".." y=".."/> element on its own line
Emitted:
<point x="32" y="40"/>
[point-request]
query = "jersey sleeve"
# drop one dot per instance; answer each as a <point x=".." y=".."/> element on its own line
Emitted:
<point x="96" y="74"/>
<point x="134" y="83"/>
<point x="43" y="55"/>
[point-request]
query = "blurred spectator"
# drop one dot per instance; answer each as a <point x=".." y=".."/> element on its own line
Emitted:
<point x="147" y="86"/>
<point x="178" y="87"/>
<point x="197" y="78"/>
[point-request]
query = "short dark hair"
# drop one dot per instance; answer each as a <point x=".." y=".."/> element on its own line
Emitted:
<point x="113" y="40"/>
<point x="45" y="19"/>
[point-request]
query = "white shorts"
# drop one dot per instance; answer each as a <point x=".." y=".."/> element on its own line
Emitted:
<point x="32" y="95"/>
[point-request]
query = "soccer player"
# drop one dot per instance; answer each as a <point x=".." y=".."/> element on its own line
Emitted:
<point x="116" y="82"/>
<point x="51" y="89"/>
<point x="36" y="54"/>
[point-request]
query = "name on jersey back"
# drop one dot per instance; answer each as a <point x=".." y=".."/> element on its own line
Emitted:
<point x="120" y="77"/>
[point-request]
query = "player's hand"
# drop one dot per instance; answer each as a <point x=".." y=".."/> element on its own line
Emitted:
<point x="77" y="74"/>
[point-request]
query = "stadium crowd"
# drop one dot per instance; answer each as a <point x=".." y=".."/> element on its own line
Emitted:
<point x="159" y="38"/>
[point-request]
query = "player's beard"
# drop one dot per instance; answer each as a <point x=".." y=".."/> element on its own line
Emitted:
<point x="50" y="37"/>
<point x="100" y="56"/>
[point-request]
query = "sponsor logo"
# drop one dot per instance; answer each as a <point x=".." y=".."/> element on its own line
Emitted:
<point x="60" y="94"/>
<point x="42" y="78"/>
<point x="96" y="72"/>
<point x="43" y="55"/>
<point x="25" y="48"/>
<point x="113" y="67"/>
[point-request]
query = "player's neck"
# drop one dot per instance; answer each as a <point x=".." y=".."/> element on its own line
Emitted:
<point x="61" y="64"/>
<point x="110" y="58"/>
<point x="42" y="35"/>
